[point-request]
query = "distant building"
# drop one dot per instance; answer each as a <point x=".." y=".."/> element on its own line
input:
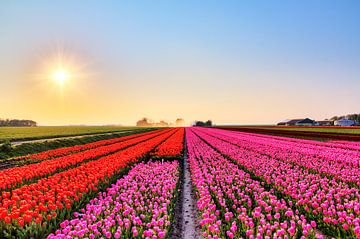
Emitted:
<point x="305" y="122"/>
<point x="325" y="122"/>
<point x="344" y="122"/>
<point x="289" y="122"/>
<point x="297" y="122"/>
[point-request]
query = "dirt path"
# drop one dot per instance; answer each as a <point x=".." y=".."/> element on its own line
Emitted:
<point x="186" y="224"/>
<point x="189" y="212"/>
<point x="7" y="164"/>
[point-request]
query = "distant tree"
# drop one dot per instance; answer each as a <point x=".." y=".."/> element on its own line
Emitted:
<point x="354" y="117"/>
<point x="144" y="122"/>
<point x="199" y="123"/>
<point x="180" y="122"/>
<point x="203" y="124"/>
<point x="208" y="123"/>
<point x="162" y="123"/>
<point x="17" y="123"/>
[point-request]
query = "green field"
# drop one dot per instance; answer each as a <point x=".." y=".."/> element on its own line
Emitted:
<point x="27" y="133"/>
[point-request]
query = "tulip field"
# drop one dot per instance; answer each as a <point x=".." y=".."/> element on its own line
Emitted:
<point x="37" y="197"/>
<point x="245" y="185"/>
<point x="266" y="186"/>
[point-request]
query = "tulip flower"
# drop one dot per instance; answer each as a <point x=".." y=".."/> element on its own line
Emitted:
<point x="319" y="179"/>
<point x="118" y="203"/>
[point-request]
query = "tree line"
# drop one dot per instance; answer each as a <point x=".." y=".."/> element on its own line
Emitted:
<point x="17" y="123"/>
<point x="207" y="123"/>
<point x="145" y="122"/>
<point x="354" y="117"/>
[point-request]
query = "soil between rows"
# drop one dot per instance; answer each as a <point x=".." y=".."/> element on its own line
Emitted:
<point x="186" y="224"/>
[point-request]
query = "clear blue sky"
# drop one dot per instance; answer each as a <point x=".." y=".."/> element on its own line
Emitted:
<point x="232" y="61"/>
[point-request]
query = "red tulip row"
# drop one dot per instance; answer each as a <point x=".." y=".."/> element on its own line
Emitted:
<point x="19" y="175"/>
<point x="333" y="204"/>
<point x="173" y="146"/>
<point x="53" y="197"/>
<point x="77" y="148"/>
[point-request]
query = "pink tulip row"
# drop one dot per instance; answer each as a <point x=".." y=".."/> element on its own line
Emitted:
<point x="337" y="144"/>
<point x="353" y="145"/>
<point x="339" y="163"/>
<point x="232" y="205"/>
<point x="137" y="206"/>
<point x="337" y="147"/>
<point x="333" y="204"/>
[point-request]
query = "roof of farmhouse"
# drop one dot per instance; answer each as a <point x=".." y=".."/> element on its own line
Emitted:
<point x="295" y="121"/>
<point x="289" y="121"/>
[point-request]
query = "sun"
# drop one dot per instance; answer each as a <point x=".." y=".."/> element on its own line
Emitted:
<point x="64" y="72"/>
<point x="60" y="76"/>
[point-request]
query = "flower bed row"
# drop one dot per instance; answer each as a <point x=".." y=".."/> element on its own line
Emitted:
<point x="139" y="205"/>
<point x="322" y="149"/>
<point x="347" y="144"/>
<point x="334" y="205"/>
<point x="35" y="209"/>
<point x="297" y="133"/>
<point x="233" y="205"/>
<point x="173" y="146"/>
<point x="339" y="163"/>
<point x="49" y="154"/>
<point x="333" y="144"/>
<point x="28" y="173"/>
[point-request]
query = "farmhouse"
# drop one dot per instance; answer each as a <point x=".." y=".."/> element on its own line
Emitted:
<point x="288" y="122"/>
<point x="324" y="122"/>
<point x="297" y="122"/>
<point x="344" y="122"/>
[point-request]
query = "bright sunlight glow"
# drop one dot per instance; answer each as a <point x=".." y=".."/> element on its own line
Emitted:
<point x="62" y="71"/>
<point x="60" y="76"/>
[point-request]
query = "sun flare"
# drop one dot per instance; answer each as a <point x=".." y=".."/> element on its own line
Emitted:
<point x="62" y="72"/>
<point x="60" y="76"/>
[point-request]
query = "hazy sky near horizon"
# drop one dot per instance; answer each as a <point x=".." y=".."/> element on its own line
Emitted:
<point x="246" y="62"/>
